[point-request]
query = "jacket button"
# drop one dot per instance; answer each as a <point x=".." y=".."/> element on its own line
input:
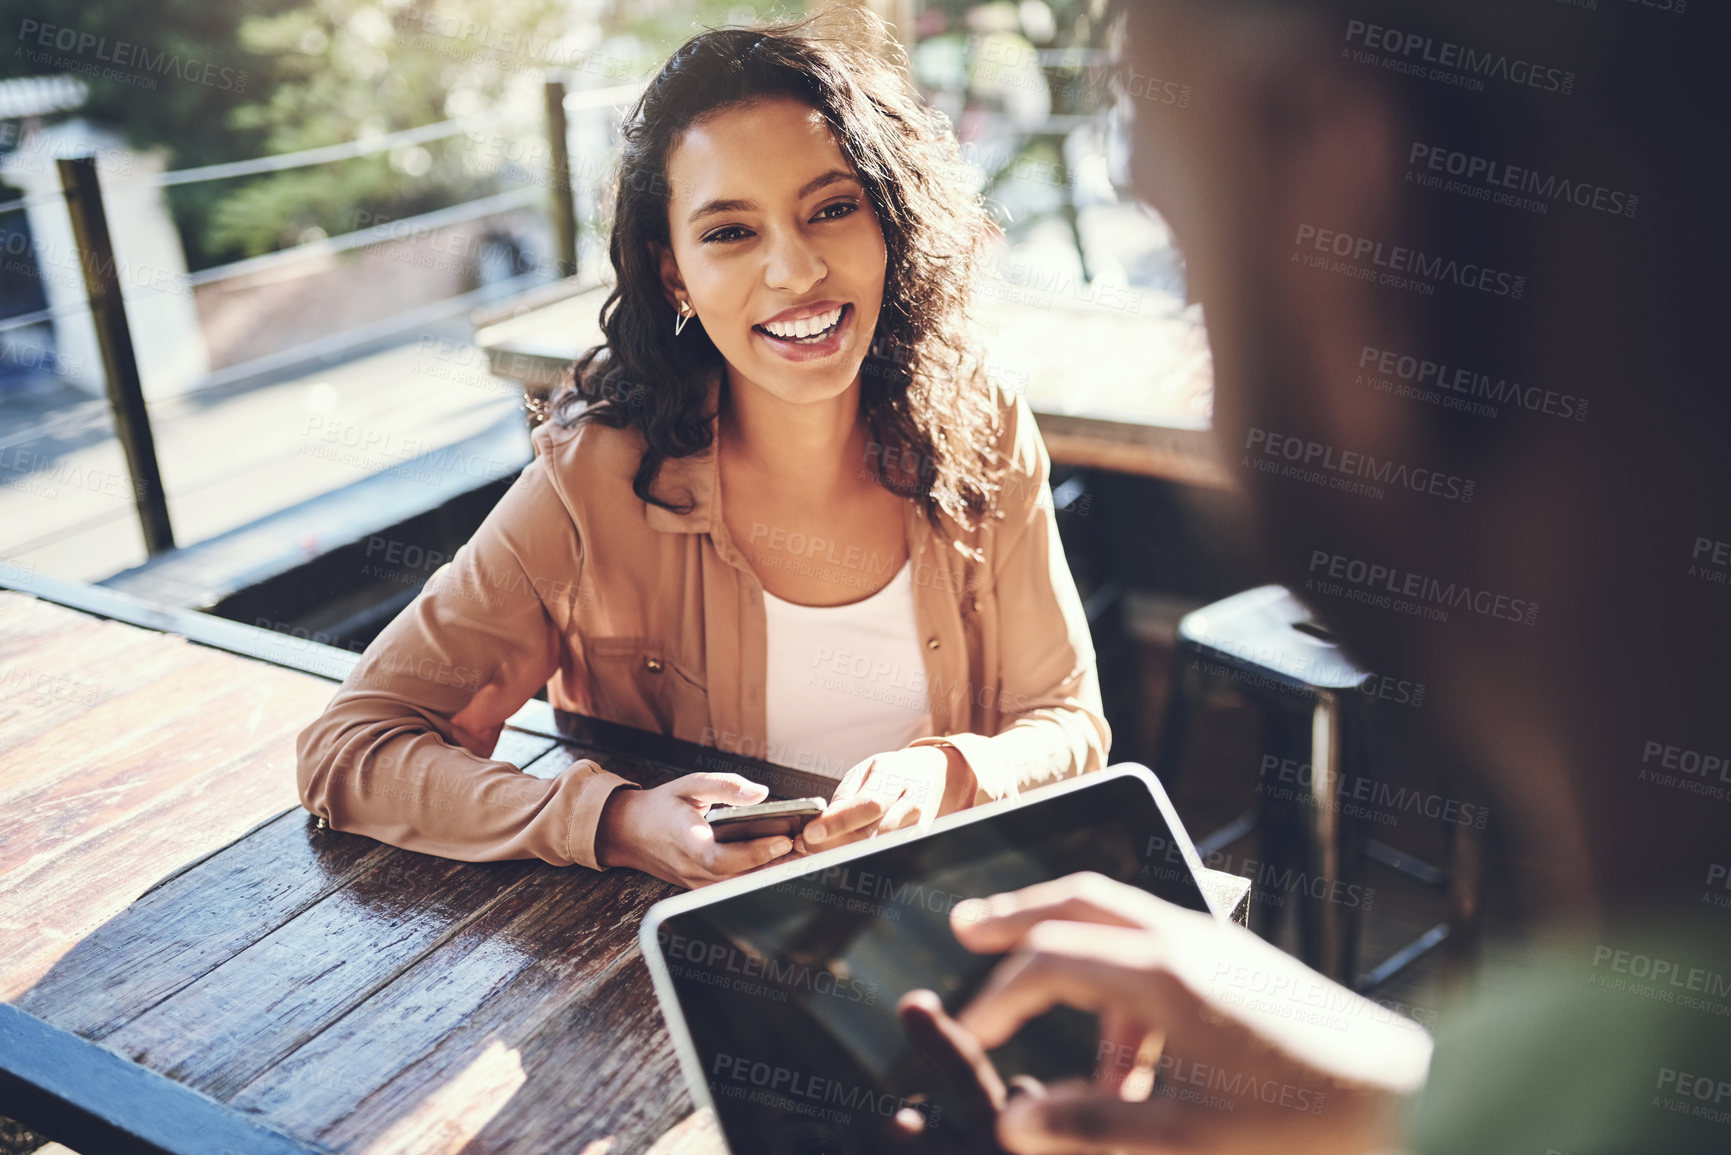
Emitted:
<point x="931" y="643"/>
<point x="653" y="665"/>
<point x="977" y="605"/>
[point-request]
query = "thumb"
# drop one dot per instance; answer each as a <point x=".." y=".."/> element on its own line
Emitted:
<point x="727" y="789"/>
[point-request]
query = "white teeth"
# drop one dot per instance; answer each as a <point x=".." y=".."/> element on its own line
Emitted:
<point x="805" y="326"/>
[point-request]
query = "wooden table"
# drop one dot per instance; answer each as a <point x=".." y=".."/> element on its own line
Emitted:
<point x="1117" y="388"/>
<point x="193" y="965"/>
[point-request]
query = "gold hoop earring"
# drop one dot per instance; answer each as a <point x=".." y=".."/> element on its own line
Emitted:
<point x="685" y="314"/>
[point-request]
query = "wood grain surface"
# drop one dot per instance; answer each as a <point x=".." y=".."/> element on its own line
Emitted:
<point x="163" y="894"/>
<point x="183" y="930"/>
<point x="125" y="754"/>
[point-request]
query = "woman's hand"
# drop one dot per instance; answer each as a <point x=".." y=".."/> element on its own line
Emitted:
<point x="663" y="831"/>
<point x="1253" y="1051"/>
<point x="910" y="787"/>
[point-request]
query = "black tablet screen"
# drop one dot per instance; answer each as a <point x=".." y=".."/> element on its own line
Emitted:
<point x="789" y="991"/>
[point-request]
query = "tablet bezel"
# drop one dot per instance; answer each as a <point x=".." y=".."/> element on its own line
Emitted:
<point x="691" y="1064"/>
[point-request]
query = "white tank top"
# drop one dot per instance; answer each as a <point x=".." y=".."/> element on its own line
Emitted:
<point x="845" y="682"/>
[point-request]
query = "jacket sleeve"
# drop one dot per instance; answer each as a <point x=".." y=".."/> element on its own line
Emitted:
<point x="1051" y="721"/>
<point x="403" y="752"/>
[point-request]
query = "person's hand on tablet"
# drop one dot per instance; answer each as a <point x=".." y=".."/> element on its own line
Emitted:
<point x="1257" y="1052"/>
<point x="968" y="1122"/>
<point x="909" y="787"/>
<point x="663" y="831"/>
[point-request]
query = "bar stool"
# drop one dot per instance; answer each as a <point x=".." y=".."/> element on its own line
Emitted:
<point x="1265" y="641"/>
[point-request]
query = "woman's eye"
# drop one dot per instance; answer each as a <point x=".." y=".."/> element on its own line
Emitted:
<point x="834" y="212"/>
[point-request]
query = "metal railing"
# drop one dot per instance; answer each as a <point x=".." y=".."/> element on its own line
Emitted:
<point x="82" y="195"/>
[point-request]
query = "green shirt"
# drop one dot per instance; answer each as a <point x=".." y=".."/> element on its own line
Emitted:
<point x="1588" y="1045"/>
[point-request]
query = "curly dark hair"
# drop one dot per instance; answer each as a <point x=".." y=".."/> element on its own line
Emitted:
<point x="923" y="386"/>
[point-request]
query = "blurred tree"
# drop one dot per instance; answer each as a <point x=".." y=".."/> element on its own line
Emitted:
<point x="163" y="73"/>
<point x="236" y="79"/>
<point x="348" y="70"/>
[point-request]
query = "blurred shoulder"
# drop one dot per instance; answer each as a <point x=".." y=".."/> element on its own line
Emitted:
<point x="1020" y="453"/>
<point x="588" y="464"/>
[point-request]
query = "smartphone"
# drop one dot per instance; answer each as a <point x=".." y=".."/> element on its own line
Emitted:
<point x="738" y="823"/>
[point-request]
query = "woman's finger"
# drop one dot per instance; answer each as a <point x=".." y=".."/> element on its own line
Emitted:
<point x="792" y="855"/>
<point x="726" y="859"/>
<point x="905" y="811"/>
<point x="726" y="789"/>
<point x="837" y="821"/>
<point x="851" y="781"/>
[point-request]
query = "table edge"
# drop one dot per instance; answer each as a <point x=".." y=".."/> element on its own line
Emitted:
<point x="76" y="1092"/>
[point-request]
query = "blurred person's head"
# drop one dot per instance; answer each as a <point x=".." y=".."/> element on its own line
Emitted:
<point x="1401" y="217"/>
<point x="793" y="169"/>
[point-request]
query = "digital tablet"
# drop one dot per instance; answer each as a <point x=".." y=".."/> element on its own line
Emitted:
<point x="780" y="987"/>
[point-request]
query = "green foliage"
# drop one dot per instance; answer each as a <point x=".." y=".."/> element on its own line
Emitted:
<point x="278" y="76"/>
<point x="163" y="72"/>
<point x="167" y="74"/>
<point x="347" y="70"/>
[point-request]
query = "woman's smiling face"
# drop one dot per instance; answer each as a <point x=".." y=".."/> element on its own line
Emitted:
<point x="777" y="247"/>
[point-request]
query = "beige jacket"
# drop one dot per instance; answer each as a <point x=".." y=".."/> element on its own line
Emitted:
<point x="633" y="613"/>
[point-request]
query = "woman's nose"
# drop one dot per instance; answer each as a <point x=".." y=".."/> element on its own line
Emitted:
<point x="794" y="265"/>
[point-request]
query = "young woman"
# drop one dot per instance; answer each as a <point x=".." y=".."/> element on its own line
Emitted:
<point x="780" y="511"/>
